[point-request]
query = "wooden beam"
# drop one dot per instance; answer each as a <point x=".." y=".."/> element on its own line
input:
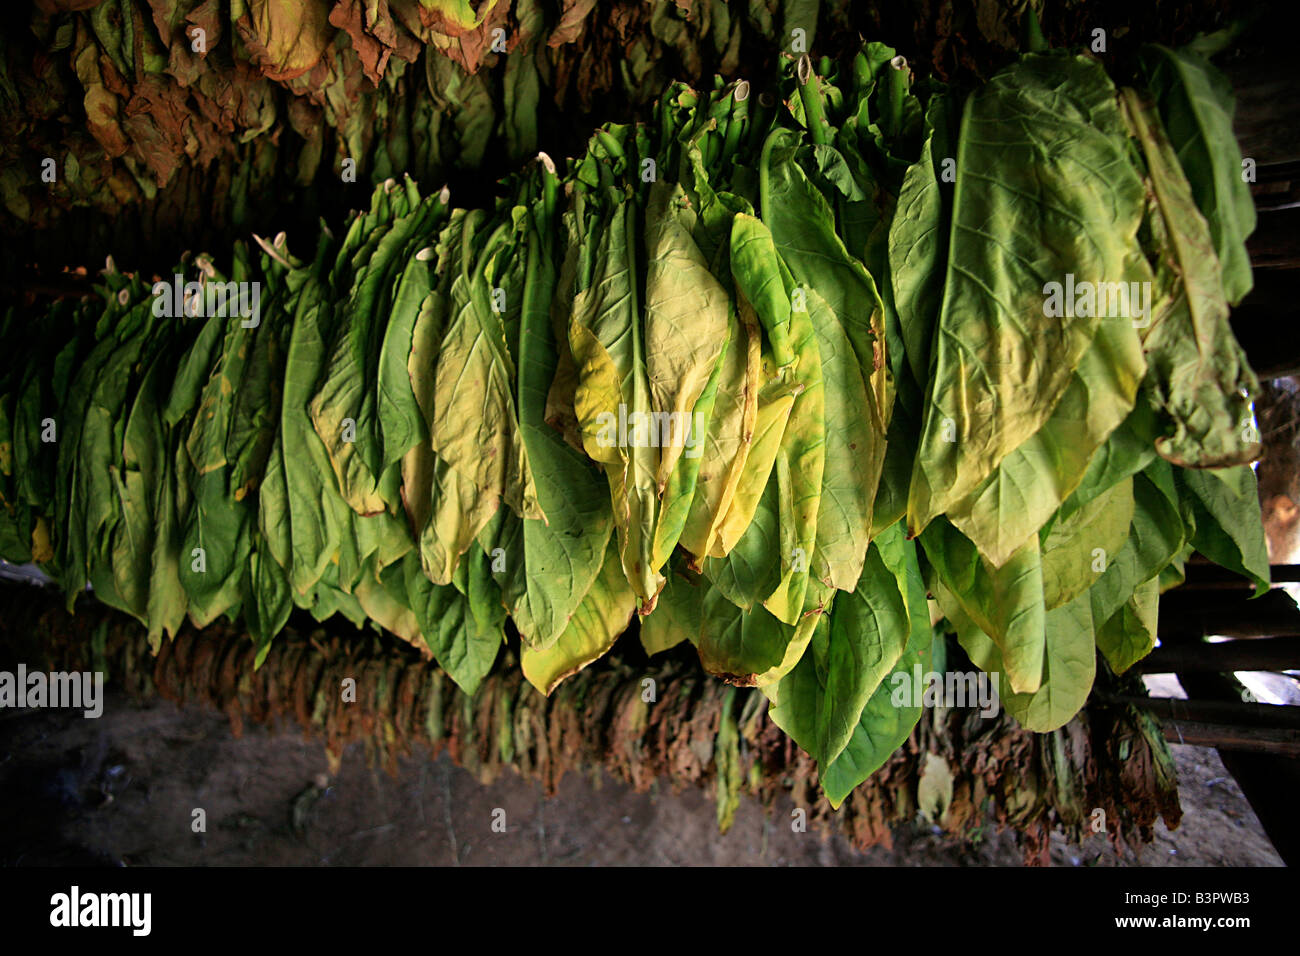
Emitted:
<point x="1206" y="576"/>
<point x="1262" y="654"/>
<point x="1227" y="725"/>
<point x="1228" y="613"/>
<point x="1227" y="737"/>
<point x="1245" y="716"/>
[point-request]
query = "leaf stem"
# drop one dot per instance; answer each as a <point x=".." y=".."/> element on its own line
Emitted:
<point x="811" y="94"/>
<point x="897" y="83"/>
<point x="738" y="120"/>
<point x="1032" y="38"/>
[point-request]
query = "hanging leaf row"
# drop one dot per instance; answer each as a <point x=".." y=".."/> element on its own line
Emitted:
<point x="762" y="373"/>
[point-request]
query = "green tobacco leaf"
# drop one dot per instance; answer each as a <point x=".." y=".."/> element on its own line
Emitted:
<point x="800" y="466"/>
<point x="918" y="251"/>
<point x="1175" y="573"/>
<point x="755" y="649"/>
<point x="1069" y="665"/>
<point x="686" y="319"/>
<point x="477" y="578"/>
<point x="899" y="393"/>
<point x="740" y="446"/>
<point x="400" y="420"/>
<point x="268" y="602"/>
<point x="1042" y="163"/>
<point x="560" y="413"/>
<point x="756" y="269"/>
<point x="345" y="408"/>
<point x="1225" y="506"/>
<point x="167" y="601"/>
<point x="678" y="615"/>
<point x="460" y="643"/>
<point x="256" y="409"/>
<point x="612" y="399"/>
<point x="602" y="616"/>
<point x="679" y="494"/>
<point x="475" y="425"/>
<point x="868" y="632"/>
<point x="522" y="85"/>
<point x="316" y="514"/>
<point x="1155" y="538"/>
<point x="803" y="231"/>
<point x="214" y="550"/>
<point x="208" y="438"/>
<point x="696" y="349"/>
<point x="1195" y="102"/>
<point x="455" y="512"/>
<point x="144" y="481"/>
<point x="563" y="553"/>
<point x="444" y="506"/>
<point x="385" y="601"/>
<point x="775" y="400"/>
<point x="1076" y="549"/>
<point x="751" y="570"/>
<point x="1128" y="450"/>
<point x="89" y="454"/>
<point x="1035" y="479"/>
<point x="1129" y="634"/>
<point x="217" y="539"/>
<point x="834" y="168"/>
<point x="430" y="486"/>
<point x="739" y="646"/>
<point x="1005" y="603"/>
<point x="883" y="726"/>
<point x="853" y="455"/>
<point x="1201" y="378"/>
<point x="826" y="682"/>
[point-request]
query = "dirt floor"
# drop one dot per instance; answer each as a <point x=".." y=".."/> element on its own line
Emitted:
<point x="122" y="790"/>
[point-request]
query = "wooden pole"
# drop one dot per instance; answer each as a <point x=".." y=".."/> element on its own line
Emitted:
<point x="1229" y="614"/>
<point x="1261" y="654"/>
<point x="1238" y="713"/>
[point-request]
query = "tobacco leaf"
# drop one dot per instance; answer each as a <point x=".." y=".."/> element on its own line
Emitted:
<point x="603" y="615"/>
<point x="1196" y="107"/>
<point x="1202" y="380"/>
<point x="1042" y="167"/>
